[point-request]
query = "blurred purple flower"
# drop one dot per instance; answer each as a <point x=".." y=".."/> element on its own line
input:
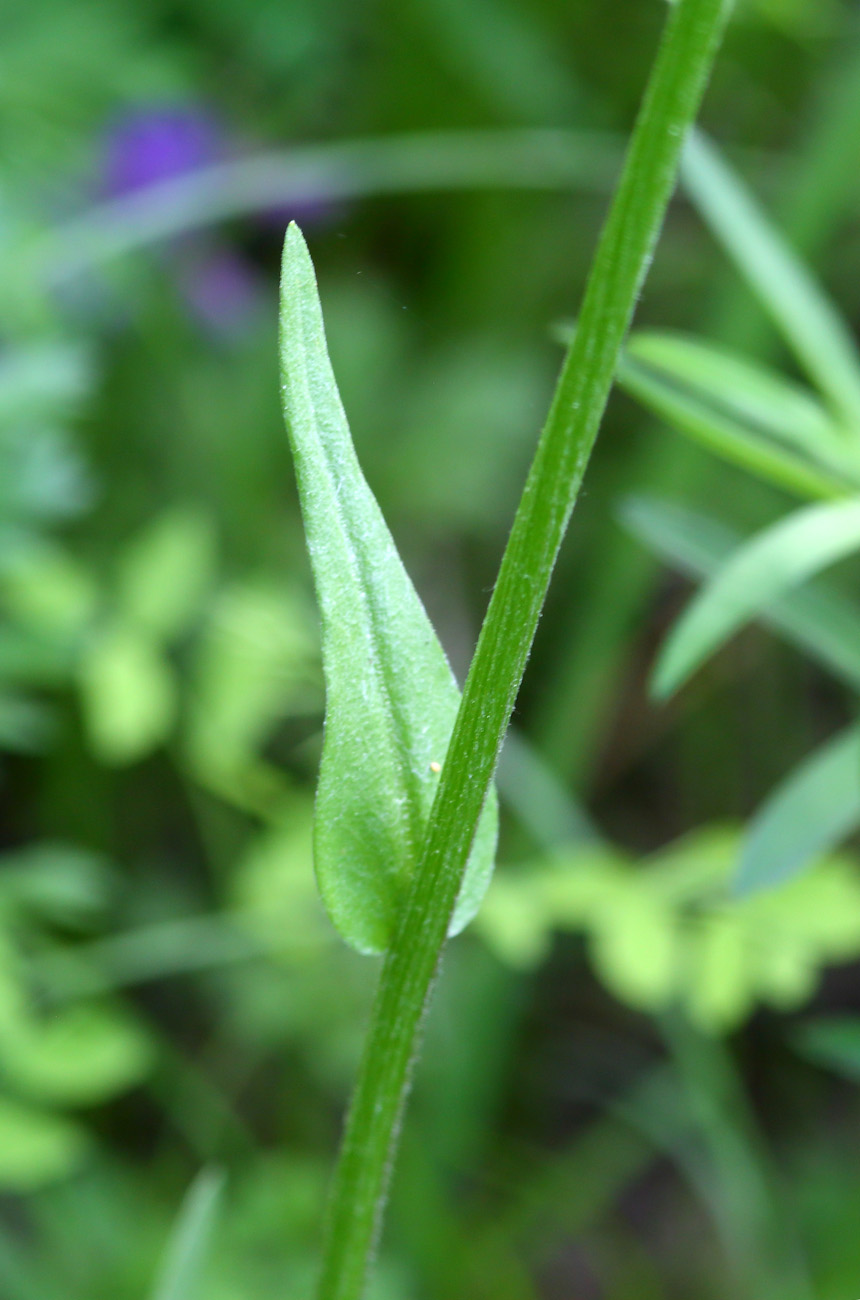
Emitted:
<point x="151" y="144"/>
<point x="154" y="144"/>
<point x="157" y="144"/>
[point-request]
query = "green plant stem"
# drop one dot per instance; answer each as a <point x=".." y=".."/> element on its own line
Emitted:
<point x="675" y="88"/>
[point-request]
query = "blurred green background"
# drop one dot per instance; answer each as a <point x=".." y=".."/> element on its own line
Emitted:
<point x="632" y="1086"/>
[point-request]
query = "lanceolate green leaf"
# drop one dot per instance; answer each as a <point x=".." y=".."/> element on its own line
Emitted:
<point x="770" y="410"/>
<point x="391" y="698"/>
<point x="816" y="618"/>
<point x="763" y="569"/>
<point x="747" y="415"/>
<point x="751" y="393"/>
<point x="809" y="813"/>
<point x="800" y="310"/>
<point x="724" y="435"/>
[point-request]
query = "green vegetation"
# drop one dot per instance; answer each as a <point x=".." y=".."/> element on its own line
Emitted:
<point x="640" y="1064"/>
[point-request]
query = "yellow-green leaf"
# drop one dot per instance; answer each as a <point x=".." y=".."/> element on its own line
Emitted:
<point x="36" y="1147"/>
<point x="128" y="695"/>
<point x="768" y="566"/>
<point x="78" y="1057"/>
<point x="165" y="570"/>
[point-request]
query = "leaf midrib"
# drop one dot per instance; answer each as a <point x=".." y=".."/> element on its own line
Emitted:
<point x="381" y="669"/>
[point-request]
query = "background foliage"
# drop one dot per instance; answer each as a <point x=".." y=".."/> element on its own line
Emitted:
<point x="634" y="1083"/>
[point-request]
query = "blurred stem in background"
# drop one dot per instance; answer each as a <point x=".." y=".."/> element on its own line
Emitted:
<point x="536" y="158"/>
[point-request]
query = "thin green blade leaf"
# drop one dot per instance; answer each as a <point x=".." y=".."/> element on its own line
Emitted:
<point x="749" y="416"/>
<point x="763" y="569"/>
<point x="801" y="311"/>
<point x="809" y="813"/>
<point x="185" y="1255"/>
<point x="725" y="436"/>
<point x="765" y="403"/>
<point x="815" y="618"/>
<point x="391" y="698"/>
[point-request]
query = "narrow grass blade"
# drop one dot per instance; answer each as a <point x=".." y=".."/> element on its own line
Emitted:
<point x="761" y="400"/>
<point x="391" y="698"/>
<point x="749" y="416"/>
<point x="809" y="813"/>
<point x="763" y="569"/>
<point x="179" y="1276"/>
<point x="817" y="619"/>
<point x="800" y="310"/>
<point x="726" y="437"/>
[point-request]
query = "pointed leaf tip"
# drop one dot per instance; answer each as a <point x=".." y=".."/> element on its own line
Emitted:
<point x="294" y="236"/>
<point x="296" y="255"/>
